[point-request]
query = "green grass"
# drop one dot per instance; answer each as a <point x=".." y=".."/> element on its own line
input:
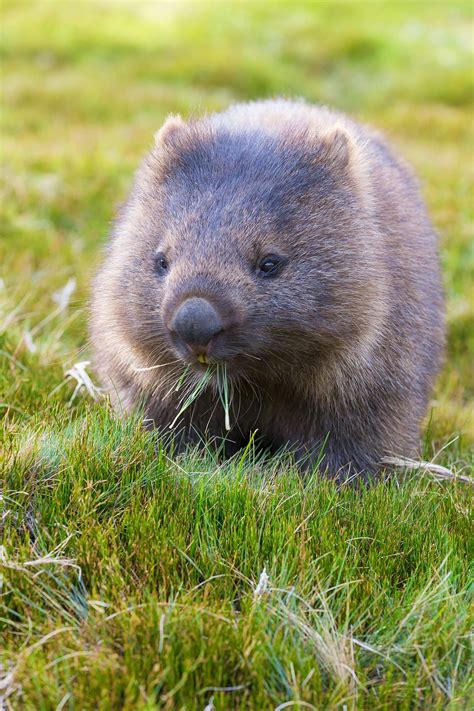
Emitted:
<point x="128" y="576"/>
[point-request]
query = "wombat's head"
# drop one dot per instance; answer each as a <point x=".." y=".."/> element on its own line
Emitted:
<point x="246" y="247"/>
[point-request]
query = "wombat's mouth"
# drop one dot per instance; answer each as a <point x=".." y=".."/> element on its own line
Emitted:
<point x="213" y="356"/>
<point x="200" y="357"/>
<point x="210" y="363"/>
<point x="204" y="362"/>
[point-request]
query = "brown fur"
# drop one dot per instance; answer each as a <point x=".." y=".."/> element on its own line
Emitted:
<point x="342" y="347"/>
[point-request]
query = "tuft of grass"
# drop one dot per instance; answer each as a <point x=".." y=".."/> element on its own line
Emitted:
<point x="135" y="579"/>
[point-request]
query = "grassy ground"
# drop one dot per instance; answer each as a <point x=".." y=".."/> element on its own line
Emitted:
<point x="129" y="580"/>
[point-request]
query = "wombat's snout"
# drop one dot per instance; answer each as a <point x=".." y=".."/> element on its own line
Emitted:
<point x="196" y="322"/>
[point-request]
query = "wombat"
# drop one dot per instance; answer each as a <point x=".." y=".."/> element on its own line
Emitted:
<point x="287" y="244"/>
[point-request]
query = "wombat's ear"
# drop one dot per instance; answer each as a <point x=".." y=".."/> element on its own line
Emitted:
<point x="171" y="128"/>
<point x="338" y="146"/>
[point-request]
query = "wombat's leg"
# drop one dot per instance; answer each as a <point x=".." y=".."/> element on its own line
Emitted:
<point x="338" y="458"/>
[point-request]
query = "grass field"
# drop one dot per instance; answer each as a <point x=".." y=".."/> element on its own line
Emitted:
<point x="130" y="580"/>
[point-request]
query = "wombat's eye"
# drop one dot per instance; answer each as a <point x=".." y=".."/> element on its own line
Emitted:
<point x="270" y="265"/>
<point x="161" y="263"/>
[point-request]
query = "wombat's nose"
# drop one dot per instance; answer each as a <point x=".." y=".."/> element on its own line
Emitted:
<point x="196" y="322"/>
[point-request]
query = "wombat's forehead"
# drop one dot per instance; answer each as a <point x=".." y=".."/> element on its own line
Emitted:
<point x="238" y="160"/>
<point x="212" y="220"/>
<point x="249" y="178"/>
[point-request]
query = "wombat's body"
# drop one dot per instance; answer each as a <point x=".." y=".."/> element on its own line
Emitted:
<point x="286" y="242"/>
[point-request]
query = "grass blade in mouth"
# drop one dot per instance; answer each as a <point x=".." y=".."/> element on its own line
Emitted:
<point x="223" y="390"/>
<point x="220" y="372"/>
<point x="182" y="378"/>
<point x="188" y="400"/>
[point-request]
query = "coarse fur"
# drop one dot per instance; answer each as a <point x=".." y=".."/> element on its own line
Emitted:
<point x="336" y="355"/>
